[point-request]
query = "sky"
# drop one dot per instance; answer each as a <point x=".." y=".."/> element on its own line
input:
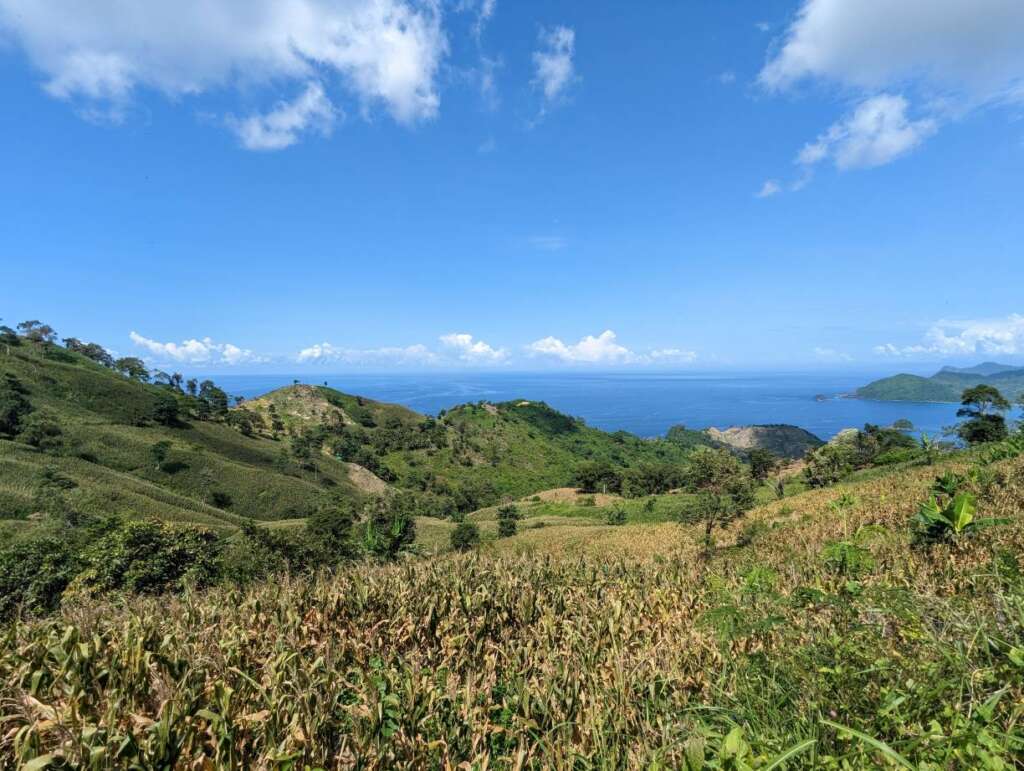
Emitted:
<point x="392" y="185"/>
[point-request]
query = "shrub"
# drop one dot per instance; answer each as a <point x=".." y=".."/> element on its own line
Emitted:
<point x="616" y="516"/>
<point x="14" y="405"/>
<point x="508" y="516"/>
<point x="465" y="536"/>
<point x="41" y="430"/>
<point x="34" y="574"/>
<point x="151" y="557"/>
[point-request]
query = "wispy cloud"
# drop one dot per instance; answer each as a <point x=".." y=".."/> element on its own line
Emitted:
<point x="281" y="127"/>
<point x="554" y="69"/>
<point x="549" y="243"/>
<point x="324" y="353"/>
<point x="877" y="132"/>
<point x="768" y="189"/>
<point x="831" y="355"/>
<point x="197" y="351"/>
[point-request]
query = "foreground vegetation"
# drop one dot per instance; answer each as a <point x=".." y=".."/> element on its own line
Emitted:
<point x="825" y="630"/>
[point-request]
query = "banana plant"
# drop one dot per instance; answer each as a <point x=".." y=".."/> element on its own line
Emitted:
<point x="951" y="519"/>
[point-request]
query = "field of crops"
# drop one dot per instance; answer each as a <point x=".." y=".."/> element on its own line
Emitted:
<point x="817" y="636"/>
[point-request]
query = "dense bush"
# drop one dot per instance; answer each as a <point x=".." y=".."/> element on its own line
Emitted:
<point x="465" y="536"/>
<point x="149" y="557"/>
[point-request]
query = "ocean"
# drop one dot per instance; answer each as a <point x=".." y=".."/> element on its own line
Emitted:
<point x="643" y="404"/>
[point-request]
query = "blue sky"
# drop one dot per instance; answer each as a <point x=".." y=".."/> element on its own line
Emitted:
<point x="242" y="185"/>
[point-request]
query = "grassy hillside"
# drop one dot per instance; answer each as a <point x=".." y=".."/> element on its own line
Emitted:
<point x="820" y="634"/>
<point x="212" y="472"/>
<point x="946" y="385"/>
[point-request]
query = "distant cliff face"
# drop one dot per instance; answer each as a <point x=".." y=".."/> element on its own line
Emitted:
<point x="785" y="441"/>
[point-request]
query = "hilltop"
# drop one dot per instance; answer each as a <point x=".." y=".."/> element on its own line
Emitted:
<point x="947" y="384"/>
<point x="789" y="442"/>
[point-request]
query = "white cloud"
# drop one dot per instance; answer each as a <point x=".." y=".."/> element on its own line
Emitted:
<point x="281" y="127"/>
<point x="831" y="354"/>
<point x="475" y="351"/>
<point x="590" y="350"/>
<point x="763" y="26"/>
<point x="727" y="78"/>
<point x="673" y="355"/>
<point x="193" y="351"/>
<point x="483" y="11"/>
<point x="553" y="62"/>
<point x="968" y="48"/>
<point x="875" y="133"/>
<point x="1003" y="336"/>
<point x="390" y="355"/>
<point x="385" y="52"/>
<point x="768" y="189"/>
<point x="947" y="57"/>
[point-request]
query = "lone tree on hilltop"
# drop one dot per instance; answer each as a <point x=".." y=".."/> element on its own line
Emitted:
<point x="984" y="407"/>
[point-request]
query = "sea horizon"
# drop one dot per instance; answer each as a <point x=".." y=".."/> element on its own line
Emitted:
<point x="643" y="403"/>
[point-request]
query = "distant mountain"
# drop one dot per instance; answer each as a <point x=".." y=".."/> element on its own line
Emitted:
<point x="984" y="369"/>
<point x="947" y="384"/>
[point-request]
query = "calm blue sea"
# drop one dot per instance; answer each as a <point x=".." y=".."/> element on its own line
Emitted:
<point x="643" y="404"/>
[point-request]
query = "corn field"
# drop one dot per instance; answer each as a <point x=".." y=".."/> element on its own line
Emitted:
<point x="822" y="640"/>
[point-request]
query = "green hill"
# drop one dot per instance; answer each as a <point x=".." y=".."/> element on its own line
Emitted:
<point x="946" y="385"/>
<point x="248" y="463"/>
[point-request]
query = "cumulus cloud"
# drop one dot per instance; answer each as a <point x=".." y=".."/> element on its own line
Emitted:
<point x="947" y="57"/>
<point x="389" y="355"/>
<point x="553" y="64"/>
<point x="1003" y="336"/>
<point x="876" y="132"/>
<point x="281" y="127"/>
<point x="193" y="351"/>
<point x="768" y="189"/>
<point x="385" y="52"/>
<point x="590" y="349"/>
<point x="473" y="351"/>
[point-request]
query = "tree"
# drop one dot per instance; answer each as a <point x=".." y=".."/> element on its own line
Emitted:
<point x="165" y="410"/>
<point x="132" y="368"/>
<point x="723" y="486"/>
<point x="9" y="338"/>
<point x="597" y="476"/>
<point x="984" y="407"/>
<point x="14" y="405"/>
<point x="158" y="452"/>
<point x="508" y="517"/>
<point x="37" y="331"/>
<point x="903" y="424"/>
<point x="465" y="536"/>
<point x="215" y="398"/>
<point x="93" y="351"/>
<point x="192" y="386"/>
<point x="41" y="430"/>
<point x="331" y="526"/>
<point x="929" y="447"/>
<point x="763" y="463"/>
